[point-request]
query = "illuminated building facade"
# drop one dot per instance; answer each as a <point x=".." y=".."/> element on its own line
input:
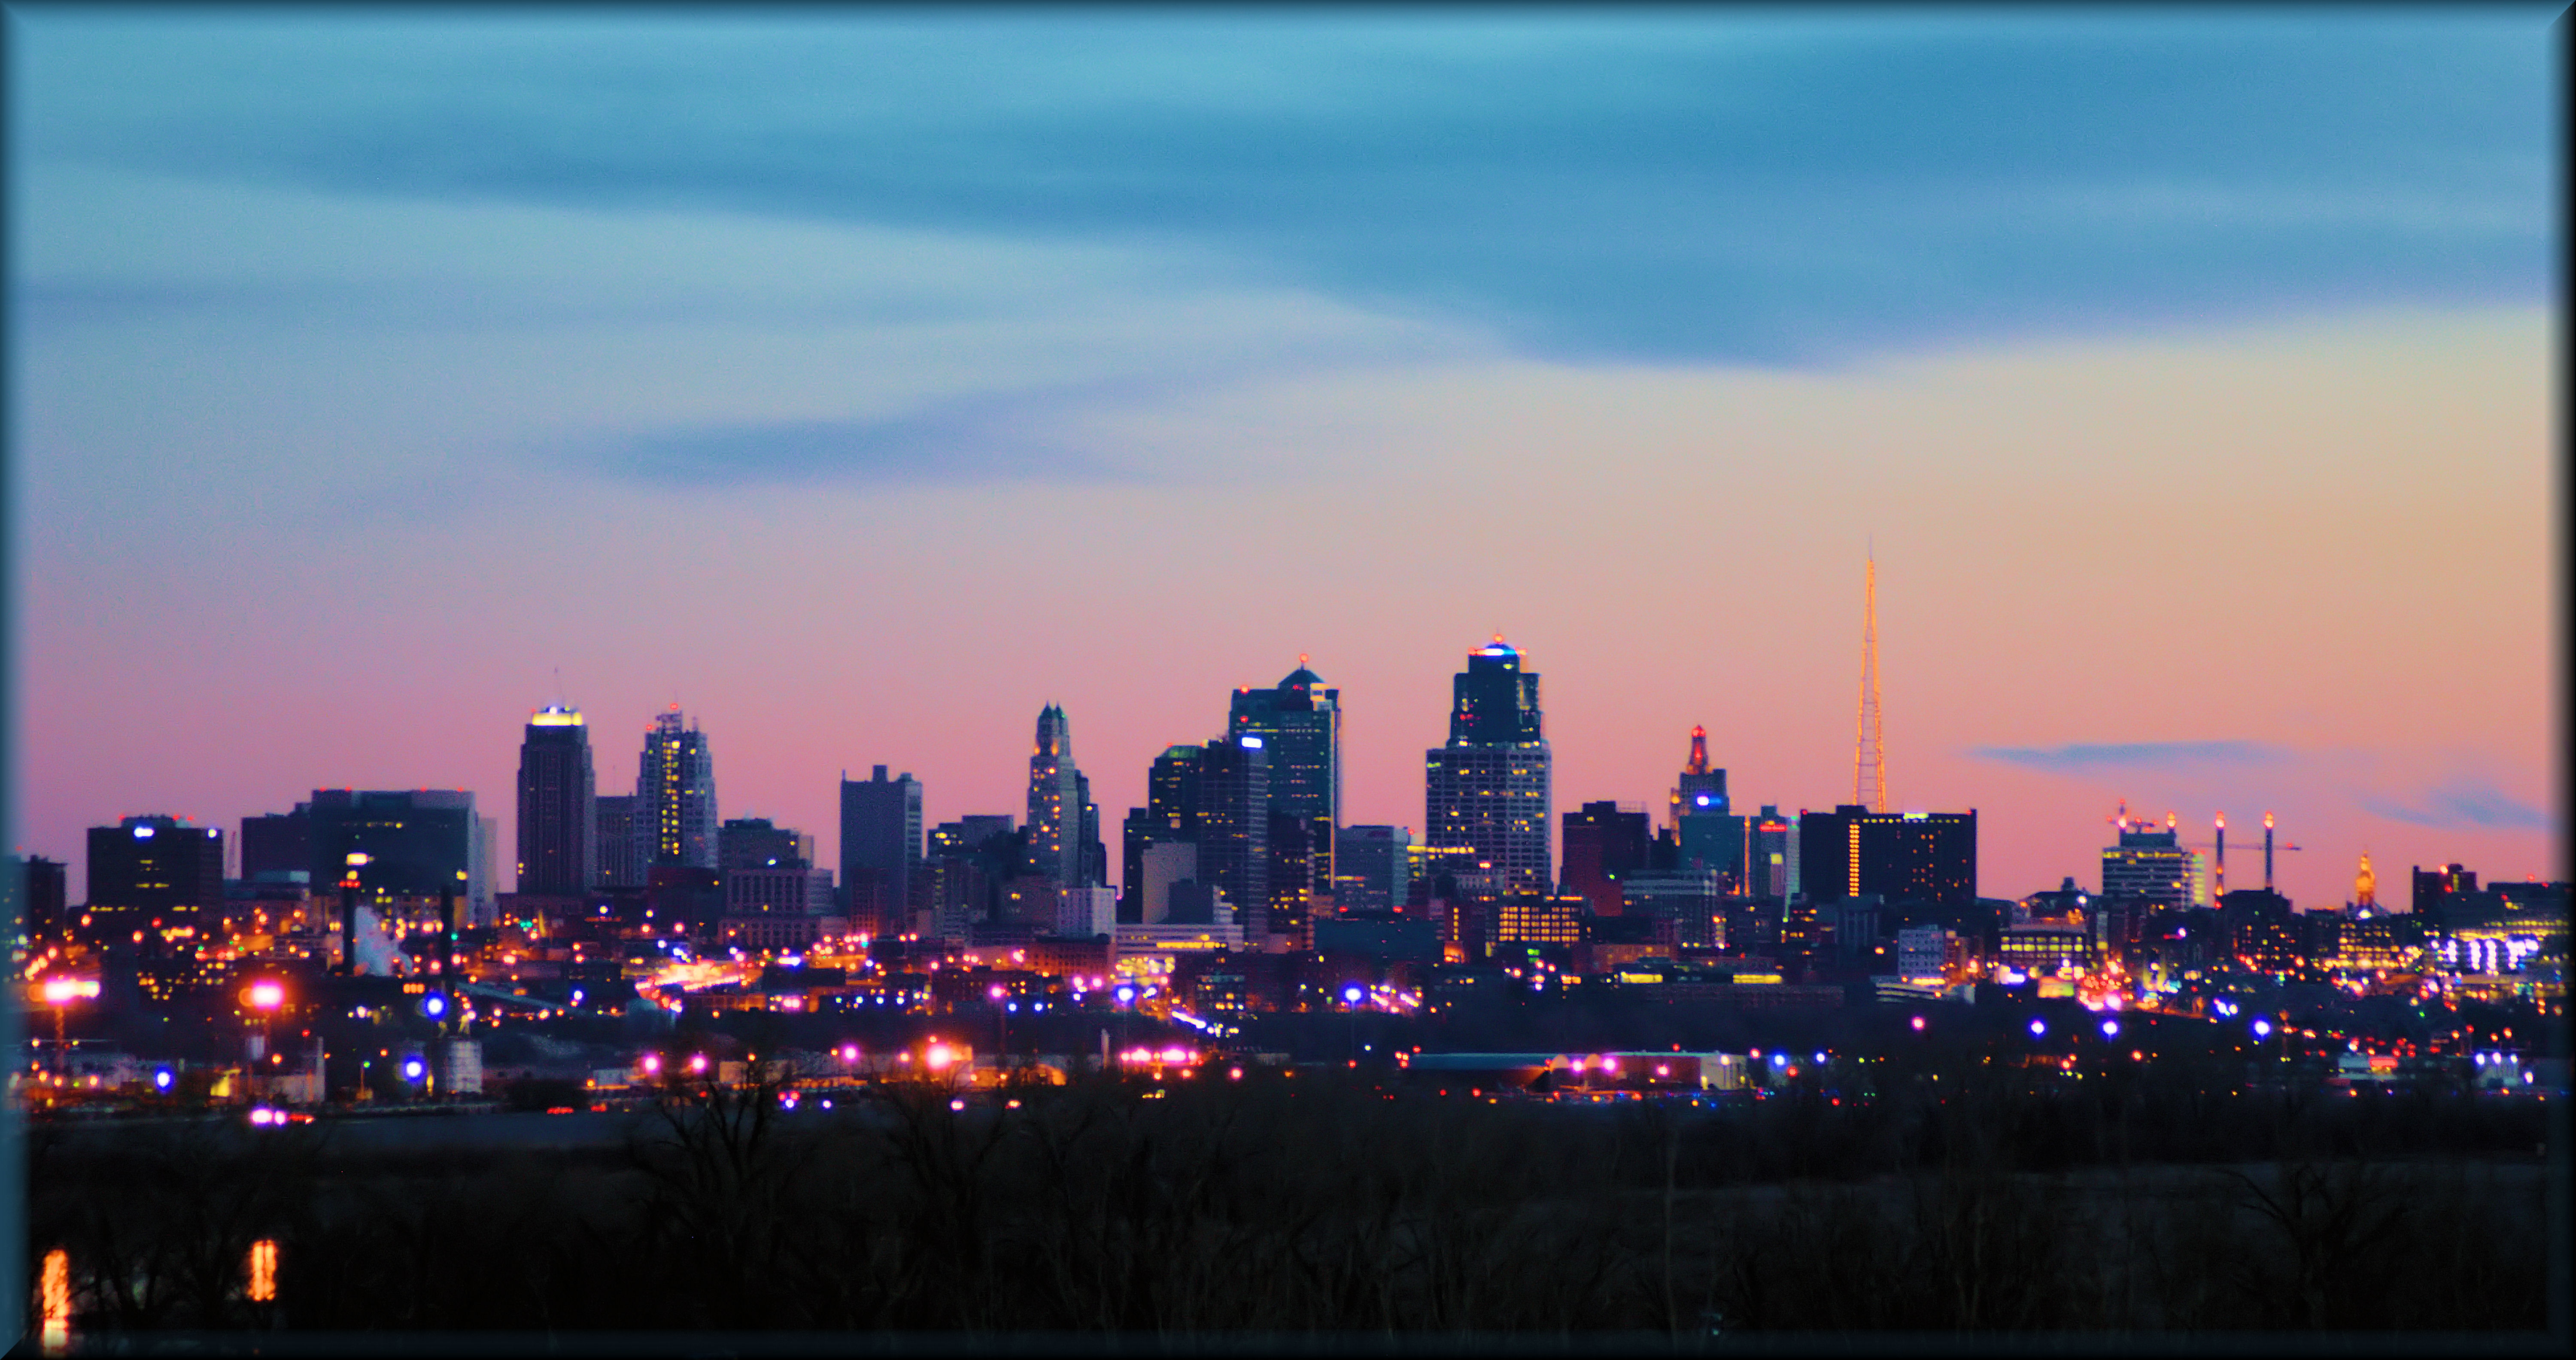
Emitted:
<point x="1054" y="848"/>
<point x="1770" y="842"/>
<point x="2150" y="863"/>
<point x="675" y="788"/>
<point x="1488" y="789"/>
<point x="1233" y="824"/>
<point x="1901" y="857"/>
<point x="881" y="831"/>
<point x="1300" y="726"/>
<point x="1372" y="868"/>
<point x="1539" y="918"/>
<point x="558" y="818"/>
<point x="1706" y="831"/>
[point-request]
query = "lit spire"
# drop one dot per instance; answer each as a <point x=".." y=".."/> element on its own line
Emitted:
<point x="1869" y="763"/>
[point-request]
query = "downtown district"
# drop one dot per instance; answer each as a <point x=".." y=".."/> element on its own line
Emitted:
<point x="360" y="955"/>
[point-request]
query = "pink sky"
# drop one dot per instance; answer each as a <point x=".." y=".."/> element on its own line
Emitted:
<point x="2331" y="538"/>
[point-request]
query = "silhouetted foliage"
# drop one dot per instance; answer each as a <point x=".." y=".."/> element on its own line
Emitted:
<point x="1975" y="1202"/>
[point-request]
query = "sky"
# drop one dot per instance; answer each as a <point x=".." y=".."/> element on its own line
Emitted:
<point x="863" y="380"/>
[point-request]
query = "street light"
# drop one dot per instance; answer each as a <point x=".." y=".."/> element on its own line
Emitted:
<point x="60" y="993"/>
<point x="1001" y="1028"/>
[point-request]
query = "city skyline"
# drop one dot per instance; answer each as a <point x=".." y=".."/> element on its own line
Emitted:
<point x="2212" y="473"/>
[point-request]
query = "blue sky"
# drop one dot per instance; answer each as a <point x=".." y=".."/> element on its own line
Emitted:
<point x="1666" y="183"/>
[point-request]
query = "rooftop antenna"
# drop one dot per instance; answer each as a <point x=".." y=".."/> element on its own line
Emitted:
<point x="1869" y="763"/>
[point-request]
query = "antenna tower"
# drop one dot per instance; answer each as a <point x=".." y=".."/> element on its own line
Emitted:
<point x="1869" y="765"/>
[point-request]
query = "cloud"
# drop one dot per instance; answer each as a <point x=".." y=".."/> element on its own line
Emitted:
<point x="949" y="446"/>
<point x="1669" y="186"/>
<point x="2152" y="755"/>
<point x="2466" y="802"/>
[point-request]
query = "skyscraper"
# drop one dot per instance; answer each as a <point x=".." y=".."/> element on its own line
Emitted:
<point x="1371" y="868"/>
<point x="1488" y="788"/>
<point x="675" y="785"/>
<point x="1234" y="826"/>
<point x="1300" y="725"/>
<point x="880" y="849"/>
<point x="1901" y="857"/>
<point x="1170" y="816"/>
<point x="2150" y="863"/>
<point x="1770" y="842"/>
<point x="1700" y="789"/>
<point x="1708" y="834"/>
<point x="618" y="860"/>
<point x="1056" y="847"/>
<point x="558" y="819"/>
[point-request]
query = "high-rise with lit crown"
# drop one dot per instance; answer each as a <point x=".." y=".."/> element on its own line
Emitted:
<point x="1300" y="725"/>
<point x="558" y="815"/>
<point x="1061" y="824"/>
<point x="1489" y="787"/>
<point x="675" y="786"/>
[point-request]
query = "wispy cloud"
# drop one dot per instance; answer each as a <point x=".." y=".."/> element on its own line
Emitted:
<point x="1669" y="185"/>
<point x="941" y="447"/>
<point x="2081" y="757"/>
<point x="2461" y="803"/>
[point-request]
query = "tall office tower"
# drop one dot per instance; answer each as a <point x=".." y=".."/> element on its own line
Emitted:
<point x="558" y="819"/>
<point x="1700" y="789"/>
<point x="44" y="905"/>
<point x="1768" y="842"/>
<point x="1371" y="868"/>
<point x="618" y="858"/>
<point x="1297" y="846"/>
<point x="277" y="847"/>
<point x="1234" y="827"/>
<point x="1300" y="725"/>
<point x="675" y="781"/>
<point x="1055" y="846"/>
<point x="156" y="864"/>
<point x="2151" y="863"/>
<point x="1170" y="816"/>
<point x="1869" y="762"/>
<point x="880" y="850"/>
<point x="1707" y="833"/>
<point x="1604" y="844"/>
<point x="1093" y="867"/>
<point x="1901" y="857"/>
<point x="1488" y="788"/>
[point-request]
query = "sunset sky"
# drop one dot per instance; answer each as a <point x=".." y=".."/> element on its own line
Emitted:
<point x="862" y="381"/>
